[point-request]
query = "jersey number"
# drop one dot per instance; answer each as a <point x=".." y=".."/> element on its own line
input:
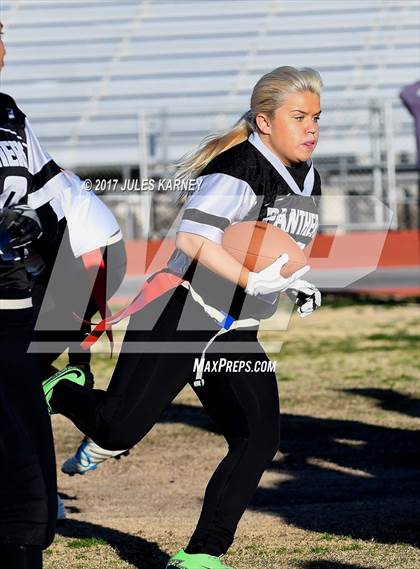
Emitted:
<point x="14" y="189"/>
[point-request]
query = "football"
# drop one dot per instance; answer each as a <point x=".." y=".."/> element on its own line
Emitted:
<point x="256" y="245"/>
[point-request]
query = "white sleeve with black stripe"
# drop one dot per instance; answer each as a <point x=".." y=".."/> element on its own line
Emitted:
<point x="219" y="201"/>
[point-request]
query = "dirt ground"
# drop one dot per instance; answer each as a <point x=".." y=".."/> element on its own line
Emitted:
<point x="342" y="493"/>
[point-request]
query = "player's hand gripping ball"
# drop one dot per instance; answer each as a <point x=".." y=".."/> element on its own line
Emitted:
<point x="273" y="258"/>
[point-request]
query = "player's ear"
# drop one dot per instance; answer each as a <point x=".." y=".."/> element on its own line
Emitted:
<point x="263" y="123"/>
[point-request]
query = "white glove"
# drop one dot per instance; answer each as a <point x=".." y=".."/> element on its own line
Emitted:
<point x="270" y="280"/>
<point x="305" y="295"/>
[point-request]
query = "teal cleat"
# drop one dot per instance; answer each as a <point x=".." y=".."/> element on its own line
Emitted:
<point x="88" y="457"/>
<point x="184" y="560"/>
<point x="70" y="373"/>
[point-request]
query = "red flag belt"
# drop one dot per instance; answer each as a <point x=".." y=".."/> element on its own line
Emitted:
<point x="158" y="284"/>
<point x="93" y="262"/>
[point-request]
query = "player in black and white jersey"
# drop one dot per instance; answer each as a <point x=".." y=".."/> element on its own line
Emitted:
<point x="205" y="304"/>
<point x="27" y="464"/>
<point x="239" y="185"/>
<point x="44" y="209"/>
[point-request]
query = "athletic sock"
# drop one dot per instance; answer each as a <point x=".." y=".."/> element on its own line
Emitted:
<point x="214" y="542"/>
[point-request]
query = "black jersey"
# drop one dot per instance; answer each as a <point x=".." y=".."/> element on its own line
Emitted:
<point x="14" y="183"/>
<point x="24" y="171"/>
<point x="247" y="182"/>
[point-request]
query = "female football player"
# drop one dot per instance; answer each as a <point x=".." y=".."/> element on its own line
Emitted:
<point x="27" y="465"/>
<point x="205" y="304"/>
<point x="34" y="193"/>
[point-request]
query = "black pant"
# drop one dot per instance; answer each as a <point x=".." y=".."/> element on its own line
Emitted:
<point x="64" y="288"/>
<point x="28" y="488"/>
<point x="244" y="406"/>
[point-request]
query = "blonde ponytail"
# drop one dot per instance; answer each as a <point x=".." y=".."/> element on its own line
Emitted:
<point x="212" y="146"/>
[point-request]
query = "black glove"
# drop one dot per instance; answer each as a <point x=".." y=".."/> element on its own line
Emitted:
<point x="22" y="224"/>
<point x="6" y="252"/>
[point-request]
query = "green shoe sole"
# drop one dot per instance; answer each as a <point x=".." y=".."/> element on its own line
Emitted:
<point x="184" y="560"/>
<point x="69" y="373"/>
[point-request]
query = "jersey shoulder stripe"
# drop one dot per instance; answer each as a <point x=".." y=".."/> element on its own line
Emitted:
<point x="47" y="173"/>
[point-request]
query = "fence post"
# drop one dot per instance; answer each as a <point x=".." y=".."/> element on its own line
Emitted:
<point x="390" y="162"/>
<point x="146" y="196"/>
<point x="375" y="134"/>
<point x="165" y="142"/>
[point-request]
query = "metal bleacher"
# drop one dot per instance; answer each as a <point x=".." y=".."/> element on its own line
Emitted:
<point x="95" y="76"/>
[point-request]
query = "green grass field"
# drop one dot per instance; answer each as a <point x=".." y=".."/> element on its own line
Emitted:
<point x="342" y="493"/>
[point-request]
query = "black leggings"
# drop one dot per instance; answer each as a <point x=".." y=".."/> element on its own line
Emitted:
<point x="28" y="490"/>
<point x="243" y="405"/>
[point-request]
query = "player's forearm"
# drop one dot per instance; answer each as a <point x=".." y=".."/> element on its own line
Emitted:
<point x="213" y="257"/>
